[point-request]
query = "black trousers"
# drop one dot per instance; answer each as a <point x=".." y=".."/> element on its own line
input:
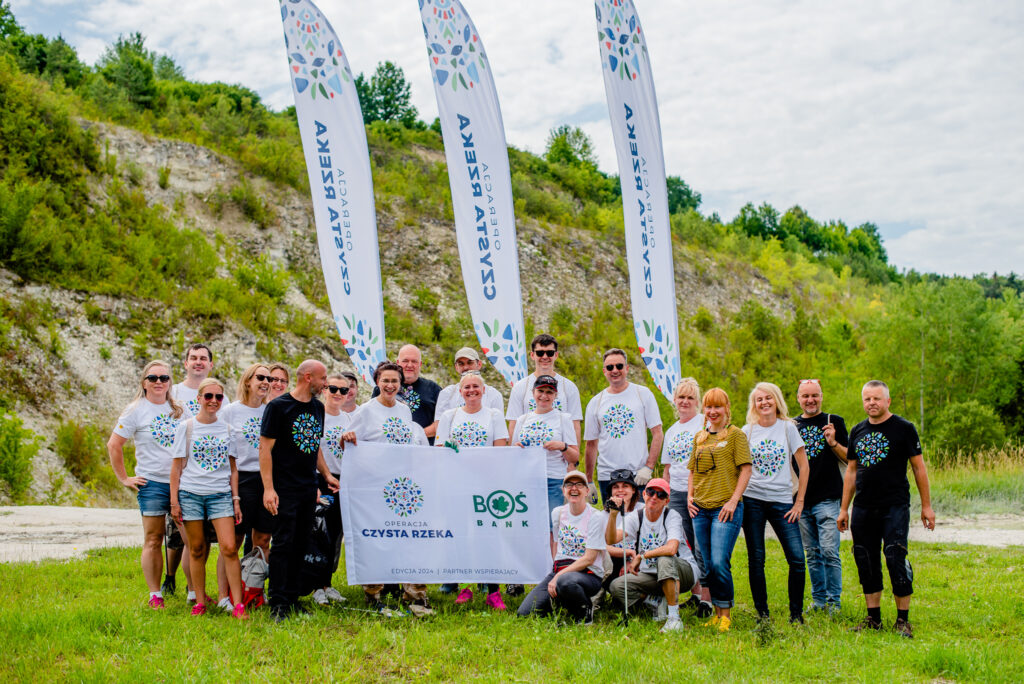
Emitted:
<point x="333" y="520"/>
<point x="292" y="525"/>
<point x="882" y="529"/>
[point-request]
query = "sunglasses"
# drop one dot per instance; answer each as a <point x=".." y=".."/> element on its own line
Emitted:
<point x="656" y="492"/>
<point x="550" y="353"/>
<point x="273" y="379"/>
<point x="158" y="378"/>
<point x="264" y="378"/>
<point x="334" y="389"/>
<point x="210" y="395"/>
<point x="705" y="452"/>
<point x="622" y="474"/>
<point x="614" y="366"/>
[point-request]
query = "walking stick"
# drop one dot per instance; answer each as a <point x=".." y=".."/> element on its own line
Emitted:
<point x="625" y="568"/>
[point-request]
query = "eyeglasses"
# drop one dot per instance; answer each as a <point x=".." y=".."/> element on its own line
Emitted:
<point x="210" y="395"/>
<point x="706" y="452"/>
<point x="273" y="379"/>
<point x="158" y="378"/>
<point x="541" y="353"/>
<point x="574" y="485"/>
<point x="614" y="366"/>
<point x="656" y="492"/>
<point x="334" y="389"/>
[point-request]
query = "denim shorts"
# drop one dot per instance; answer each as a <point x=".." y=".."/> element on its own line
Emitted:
<point x="205" y="506"/>
<point x="154" y="498"/>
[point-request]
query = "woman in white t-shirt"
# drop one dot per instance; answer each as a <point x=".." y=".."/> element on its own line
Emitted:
<point x="150" y="420"/>
<point x="578" y="546"/>
<point x="675" y="454"/>
<point x="774" y="441"/>
<point x="204" y="486"/>
<point x="552" y="429"/>
<point x="473" y="425"/>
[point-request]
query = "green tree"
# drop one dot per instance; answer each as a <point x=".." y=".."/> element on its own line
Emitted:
<point x="129" y="65"/>
<point x="570" y="145"/>
<point x="166" y="69"/>
<point x="8" y="24"/>
<point x="681" y="198"/>
<point x="387" y="96"/>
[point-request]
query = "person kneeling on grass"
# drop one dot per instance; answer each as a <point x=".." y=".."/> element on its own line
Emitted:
<point x="204" y="486"/>
<point x="660" y="561"/>
<point x="577" y="545"/>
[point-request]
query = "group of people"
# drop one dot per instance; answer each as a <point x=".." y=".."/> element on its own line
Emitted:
<point x="256" y="468"/>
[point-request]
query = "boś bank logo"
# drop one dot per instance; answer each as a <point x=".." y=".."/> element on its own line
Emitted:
<point x="499" y="507"/>
<point x="403" y="496"/>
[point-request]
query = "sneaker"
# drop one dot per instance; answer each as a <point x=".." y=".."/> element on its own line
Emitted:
<point x="384" y="611"/>
<point x="465" y="596"/>
<point x="867" y="623"/>
<point x="588" y="620"/>
<point x="225" y="604"/>
<point x="796" y="619"/>
<point x="333" y="595"/>
<point x="672" y="624"/>
<point x="279" y="613"/>
<point x="816" y="608"/>
<point x="300" y="609"/>
<point x="693" y="603"/>
<point x="596" y="600"/>
<point x="903" y="628"/>
<point x="514" y="589"/>
<point x="320" y="597"/>
<point x="449" y="588"/>
<point x="723" y="624"/>
<point x="420" y="608"/>
<point x="712" y="621"/>
<point x="494" y="601"/>
<point x="190" y="597"/>
<point x="239" y="612"/>
<point x="168" y="586"/>
<point x="199" y="609"/>
<point x="704" y="610"/>
<point x="156" y="602"/>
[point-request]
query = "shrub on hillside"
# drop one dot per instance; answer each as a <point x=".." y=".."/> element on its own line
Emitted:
<point x="82" y="449"/>
<point x="966" y="426"/>
<point x="18" y="446"/>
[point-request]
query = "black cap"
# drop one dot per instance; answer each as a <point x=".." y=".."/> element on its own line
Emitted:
<point x="623" y="475"/>
<point x="546" y="381"/>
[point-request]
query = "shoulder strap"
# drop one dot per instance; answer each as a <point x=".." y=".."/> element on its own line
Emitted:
<point x="639" y="526"/>
<point x="189" y="424"/>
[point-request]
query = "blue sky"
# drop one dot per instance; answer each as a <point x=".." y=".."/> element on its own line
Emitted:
<point x="904" y="113"/>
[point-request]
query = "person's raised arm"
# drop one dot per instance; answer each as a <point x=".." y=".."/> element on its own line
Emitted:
<point x="115" y="449"/>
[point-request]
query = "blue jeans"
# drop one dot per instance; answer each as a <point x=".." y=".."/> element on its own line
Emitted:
<point x="154" y="498"/>
<point x="755" y="516"/>
<point x="555" y="496"/>
<point x="821" y="543"/>
<point x="677" y="503"/>
<point x="206" y="506"/>
<point x="716" y="541"/>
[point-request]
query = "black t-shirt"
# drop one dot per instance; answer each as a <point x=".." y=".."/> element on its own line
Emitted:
<point x="420" y="397"/>
<point x="882" y="452"/>
<point x="826" y="479"/>
<point x="296" y="426"/>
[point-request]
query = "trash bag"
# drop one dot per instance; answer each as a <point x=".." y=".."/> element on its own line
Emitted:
<point x="319" y="557"/>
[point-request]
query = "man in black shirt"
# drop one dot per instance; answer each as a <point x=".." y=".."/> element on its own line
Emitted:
<point x="880" y="448"/>
<point x="418" y="393"/>
<point x="289" y="460"/>
<point x="824" y="436"/>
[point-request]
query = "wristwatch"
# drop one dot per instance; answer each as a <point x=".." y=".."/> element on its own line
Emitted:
<point x="565" y="446"/>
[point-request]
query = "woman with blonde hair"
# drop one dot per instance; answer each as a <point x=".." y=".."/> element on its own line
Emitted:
<point x="769" y="498"/>
<point x="151" y="420"/>
<point x="278" y="381"/>
<point x="719" y="470"/>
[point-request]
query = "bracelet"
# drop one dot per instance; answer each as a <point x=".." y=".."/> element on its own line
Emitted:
<point x="565" y="446"/>
<point x="236" y="498"/>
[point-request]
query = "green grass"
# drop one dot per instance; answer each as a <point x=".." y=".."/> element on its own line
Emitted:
<point x="967" y="612"/>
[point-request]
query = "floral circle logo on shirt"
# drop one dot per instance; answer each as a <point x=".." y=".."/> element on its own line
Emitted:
<point x="396" y="431"/>
<point x="162" y="429"/>
<point x="409" y="397"/>
<point x="769" y="456"/>
<point x="531" y="405"/>
<point x="618" y="420"/>
<point x="193" y="406"/>
<point x="571" y="541"/>
<point x="872" y="448"/>
<point x="470" y="434"/>
<point x="814" y="440"/>
<point x="251" y="430"/>
<point x="537" y="433"/>
<point x="306" y="433"/>
<point x="332" y="438"/>
<point x="403" y="496"/>
<point x="650" y="541"/>
<point x="210" y="452"/>
<point x="680" y="448"/>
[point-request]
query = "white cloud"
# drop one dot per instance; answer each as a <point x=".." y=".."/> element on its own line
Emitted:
<point x="901" y="112"/>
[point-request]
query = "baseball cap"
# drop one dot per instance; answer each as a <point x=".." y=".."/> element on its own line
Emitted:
<point x="467" y="353"/>
<point x="574" y="475"/>
<point x="545" y="381"/>
<point x="659" y="483"/>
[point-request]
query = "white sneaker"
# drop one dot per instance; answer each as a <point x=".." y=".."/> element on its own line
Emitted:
<point x="334" y="595"/>
<point x="320" y="597"/>
<point x="225" y="603"/>
<point x="672" y="624"/>
<point x="191" y="597"/>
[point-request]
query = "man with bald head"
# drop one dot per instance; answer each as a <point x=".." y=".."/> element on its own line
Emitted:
<point x="290" y="457"/>
<point x="418" y="393"/>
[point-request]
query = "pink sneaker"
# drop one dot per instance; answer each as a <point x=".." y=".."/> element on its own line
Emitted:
<point x="156" y="602"/>
<point x="239" y="612"/>
<point x="465" y="596"/>
<point x="199" y="609"/>
<point x="494" y="601"/>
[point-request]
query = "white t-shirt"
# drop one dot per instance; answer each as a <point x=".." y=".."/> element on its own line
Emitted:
<point x="536" y="429"/>
<point x="771" y="476"/>
<point x="187" y="397"/>
<point x="207" y="470"/>
<point x="628" y="538"/>
<point x="574" y="534"/>
<point x="676" y="450"/>
<point x="153" y="428"/>
<point x="419" y="435"/>
<point x="245" y="425"/>
<point x="471" y="429"/>
<point x="375" y="422"/>
<point x="521" y="401"/>
<point x="654" y="534"/>
<point x="619" y="423"/>
<point x="330" y="443"/>
<point x="450" y="398"/>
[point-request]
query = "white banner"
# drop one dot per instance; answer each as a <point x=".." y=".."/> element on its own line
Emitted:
<point x="338" y="163"/>
<point x="426" y="514"/>
<point x="474" y="145"/>
<point x="633" y="108"/>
